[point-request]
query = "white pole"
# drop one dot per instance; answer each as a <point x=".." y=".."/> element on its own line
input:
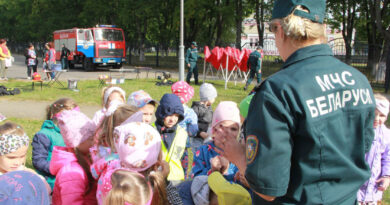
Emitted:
<point x="181" y="47"/>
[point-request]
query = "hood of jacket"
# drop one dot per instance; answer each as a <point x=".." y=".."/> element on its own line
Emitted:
<point x="61" y="156"/>
<point x="169" y="104"/>
<point x="49" y="124"/>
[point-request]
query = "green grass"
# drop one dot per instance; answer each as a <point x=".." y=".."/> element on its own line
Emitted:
<point x="90" y="93"/>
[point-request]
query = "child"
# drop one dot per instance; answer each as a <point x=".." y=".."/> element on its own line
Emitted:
<point x="13" y="147"/>
<point x="103" y="153"/>
<point x="144" y="103"/>
<point x="129" y="188"/>
<point x="204" y="111"/>
<point x="74" y="183"/>
<point x="378" y="157"/>
<point x="104" y="144"/>
<point x="174" y="138"/>
<point x="23" y="187"/>
<point x="112" y="97"/>
<point x="185" y="92"/>
<point x="139" y="149"/>
<point x="48" y="137"/>
<point x="226" y="121"/>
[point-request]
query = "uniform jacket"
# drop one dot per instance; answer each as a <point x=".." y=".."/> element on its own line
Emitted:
<point x="308" y="129"/>
<point x="42" y="147"/>
<point x="202" y="165"/>
<point x="379" y="161"/>
<point x="254" y="61"/>
<point x="192" y="55"/>
<point x="190" y="122"/>
<point x="71" y="180"/>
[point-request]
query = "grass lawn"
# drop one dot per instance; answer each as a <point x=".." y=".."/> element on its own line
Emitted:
<point x="90" y="93"/>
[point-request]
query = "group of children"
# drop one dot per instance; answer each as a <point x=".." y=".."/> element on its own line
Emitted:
<point x="139" y="151"/>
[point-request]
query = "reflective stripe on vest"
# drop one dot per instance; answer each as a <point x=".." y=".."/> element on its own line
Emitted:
<point x="173" y="158"/>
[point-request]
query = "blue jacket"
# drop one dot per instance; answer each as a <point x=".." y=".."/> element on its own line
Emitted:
<point x="42" y="147"/>
<point x="202" y="165"/>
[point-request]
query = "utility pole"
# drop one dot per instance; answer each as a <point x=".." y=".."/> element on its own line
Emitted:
<point x="181" y="47"/>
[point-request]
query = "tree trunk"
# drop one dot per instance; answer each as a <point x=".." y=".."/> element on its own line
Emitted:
<point x="157" y="52"/>
<point x="238" y="23"/>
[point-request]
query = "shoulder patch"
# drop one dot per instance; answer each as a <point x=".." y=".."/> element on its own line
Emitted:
<point x="252" y="144"/>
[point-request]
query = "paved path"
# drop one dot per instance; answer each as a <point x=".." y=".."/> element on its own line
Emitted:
<point x="35" y="109"/>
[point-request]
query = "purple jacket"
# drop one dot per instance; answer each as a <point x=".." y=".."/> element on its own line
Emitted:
<point x="378" y="158"/>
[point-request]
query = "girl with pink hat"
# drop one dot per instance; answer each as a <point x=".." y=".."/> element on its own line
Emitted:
<point x="74" y="183"/>
<point x="226" y="122"/>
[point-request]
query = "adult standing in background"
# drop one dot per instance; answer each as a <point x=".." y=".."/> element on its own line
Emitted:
<point x="51" y="58"/>
<point x="31" y="60"/>
<point x="65" y="52"/>
<point x="191" y="60"/>
<point x="310" y="124"/>
<point x="4" y="54"/>
<point x="254" y="65"/>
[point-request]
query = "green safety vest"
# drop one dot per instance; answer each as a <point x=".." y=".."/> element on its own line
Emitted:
<point x="174" y="155"/>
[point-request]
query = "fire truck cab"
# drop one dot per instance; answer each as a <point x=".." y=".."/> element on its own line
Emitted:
<point x="102" y="45"/>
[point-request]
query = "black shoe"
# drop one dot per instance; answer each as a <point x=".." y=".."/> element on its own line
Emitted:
<point x="246" y="87"/>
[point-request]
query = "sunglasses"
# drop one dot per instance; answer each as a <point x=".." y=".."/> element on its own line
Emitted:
<point x="273" y="26"/>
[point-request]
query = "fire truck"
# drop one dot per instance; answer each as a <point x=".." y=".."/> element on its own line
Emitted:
<point x="103" y="45"/>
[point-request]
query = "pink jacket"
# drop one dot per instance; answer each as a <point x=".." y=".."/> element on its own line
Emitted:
<point x="71" y="180"/>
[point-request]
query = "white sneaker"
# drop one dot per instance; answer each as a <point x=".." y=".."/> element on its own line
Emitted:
<point x="28" y="78"/>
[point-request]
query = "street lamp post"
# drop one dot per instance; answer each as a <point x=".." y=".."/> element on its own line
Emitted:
<point x="181" y="47"/>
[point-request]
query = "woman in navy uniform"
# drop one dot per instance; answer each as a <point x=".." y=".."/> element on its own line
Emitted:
<point x="310" y="124"/>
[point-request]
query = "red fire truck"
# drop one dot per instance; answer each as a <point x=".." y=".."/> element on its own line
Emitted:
<point x="102" y="45"/>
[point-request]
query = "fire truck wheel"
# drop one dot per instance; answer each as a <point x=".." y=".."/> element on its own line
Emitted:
<point x="88" y="64"/>
<point x="71" y="65"/>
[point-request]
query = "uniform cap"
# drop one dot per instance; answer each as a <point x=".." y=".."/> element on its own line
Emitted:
<point x="283" y="8"/>
<point x="194" y="43"/>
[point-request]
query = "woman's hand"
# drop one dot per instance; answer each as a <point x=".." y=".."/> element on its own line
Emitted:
<point x="383" y="183"/>
<point x="234" y="151"/>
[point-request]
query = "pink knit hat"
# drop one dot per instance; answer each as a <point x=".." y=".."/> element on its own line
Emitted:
<point x="226" y="110"/>
<point x="184" y="91"/>
<point x="138" y="145"/>
<point x="75" y="127"/>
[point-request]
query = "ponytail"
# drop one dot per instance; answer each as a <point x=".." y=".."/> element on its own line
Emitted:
<point x="157" y="181"/>
<point x="85" y="166"/>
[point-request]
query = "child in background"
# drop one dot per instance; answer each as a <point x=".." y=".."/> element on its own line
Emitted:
<point x="48" y="137"/>
<point x="378" y="157"/>
<point x="129" y="188"/>
<point x="74" y="183"/>
<point x="112" y="97"/>
<point x="174" y="138"/>
<point x="23" y="187"/>
<point x="204" y="111"/>
<point x="185" y="92"/>
<point x="226" y="121"/>
<point x="190" y="122"/>
<point x="144" y="103"/>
